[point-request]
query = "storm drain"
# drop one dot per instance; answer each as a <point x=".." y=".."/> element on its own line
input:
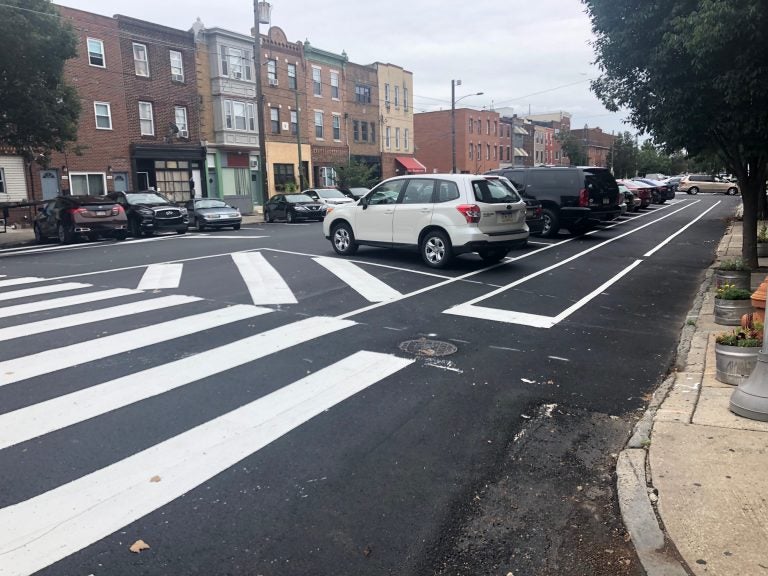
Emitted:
<point x="429" y="348"/>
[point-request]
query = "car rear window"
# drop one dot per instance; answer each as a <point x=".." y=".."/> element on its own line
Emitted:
<point x="447" y="191"/>
<point x="567" y="180"/>
<point x="599" y="180"/>
<point x="493" y="192"/>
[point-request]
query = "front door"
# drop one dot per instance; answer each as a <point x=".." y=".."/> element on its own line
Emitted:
<point x="374" y="216"/>
<point x="213" y="187"/>
<point x="414" y="211"/>
<point x="50" y="183"/>
<point x="120" y="182"/>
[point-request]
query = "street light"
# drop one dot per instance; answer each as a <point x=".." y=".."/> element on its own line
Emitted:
<point x="455" y="83"/>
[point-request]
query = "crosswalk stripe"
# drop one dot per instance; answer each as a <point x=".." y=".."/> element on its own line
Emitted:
<point x="93" y="316"/>
<point x="56" y="303"/>
<point x="366" y="284"/>
<point x="19" y="281"/>
<point x="39" y="290"/>
<point x="49" y="527"/>
<point x="160" y="276"/>
<point x="45" y="417"/>
<point x="49" y="361"/>
<point x="265" y="284"/>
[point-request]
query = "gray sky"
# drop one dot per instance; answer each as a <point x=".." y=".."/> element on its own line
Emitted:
<point x="520" y="53"/>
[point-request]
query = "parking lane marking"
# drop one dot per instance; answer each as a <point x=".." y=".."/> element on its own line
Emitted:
<point x="264" y="283"/>
<point x="161" y="276"/>
<point x="55" y="303"/>
<point x="683" y="229"/>
<point x="39" y="290"/>
<point x="20" y="281"/>
<point x="365" y="284"/>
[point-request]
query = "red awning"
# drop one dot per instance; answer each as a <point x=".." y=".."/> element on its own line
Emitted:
<point x="411" y="165"/>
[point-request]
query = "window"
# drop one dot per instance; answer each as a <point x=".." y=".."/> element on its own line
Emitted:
<point x="336" y="127"/>
<point x="487" y="126"/>
<point x="335" y="85"/>
<point x="363" y="94"/>
<point x="387" y="137"/>
<point x="239" y="115"/>
<point x="405" y="98"/>
<point x="318" y="125"/>
<point x="251" y="116"/>
<point x="397" y="138"/>
<point x="241" y="118"/>
<point x="471" y="125"/>
<point x="272" y="72"/>
<point x="294" y="122"/>
<point x="283" y="175"/>
<point x="471" y="151"/>
<point x="180" y="114"/>
<point x="405" y="139"/>
<point x="274" y="116"/>
<point x="487" y="151"/>
<point x="418" y="191"/>
<point x="146" y="121"/>
<point x="140" y="60"/>
<point x="479" y="150"/>
<point x="103" y="113"/>
<point x="495" y="127"/>
<point x="364" y="131"/>
<point x="177" y="66"/>
<point x="356" y="130"/>
<point x="234" y="63"/>
<point x="292" y="76"/>
<point x="447" y="191"/>
<point x="495" y="152"/>
<point x="317" y="84"/>
<point x="85" y="184"/>
<point x="397" y="97"/>
<point x="386" y="95"/>
<point x="96" y="53"/>
<point x="327" y="177"/>
<point x="2" y="181"/>
<point x="373" y="132"/>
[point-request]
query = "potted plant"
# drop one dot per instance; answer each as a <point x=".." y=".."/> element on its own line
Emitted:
<point x="731" y="303"/>
<point x="736" y="353"/>
<point x="734" y="272"/>
<point x="762" y="241"/>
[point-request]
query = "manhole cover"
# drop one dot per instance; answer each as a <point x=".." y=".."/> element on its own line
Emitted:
<point x="424" y="347"/>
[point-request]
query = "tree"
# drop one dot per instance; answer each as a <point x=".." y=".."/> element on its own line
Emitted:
<point x="694" y="74"/>
<point x="651" y="160"/>
<point x="355" y="175"/>
<point x="624" y="156"/>
<point x="572" y="147"/>
<point x="38" y="111"/>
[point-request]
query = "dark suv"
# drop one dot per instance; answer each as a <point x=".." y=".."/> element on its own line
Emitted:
<point x="71" y="217"/>
<point x="149" y="212"/>
<point x="577" y="198"/>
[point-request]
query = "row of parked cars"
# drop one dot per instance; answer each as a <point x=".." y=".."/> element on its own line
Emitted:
<point x="118" y="214"/>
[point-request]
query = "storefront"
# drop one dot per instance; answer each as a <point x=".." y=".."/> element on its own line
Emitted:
<point x="174" y="170"/>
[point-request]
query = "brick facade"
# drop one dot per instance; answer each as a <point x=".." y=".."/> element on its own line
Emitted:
<point x="362" y="107"/>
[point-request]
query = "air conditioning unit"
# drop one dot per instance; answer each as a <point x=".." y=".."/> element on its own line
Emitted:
<point x="273" y="82"/>
<point x="237" y="75"/>
<point x="178" y="77"/>
<point x="183" y="133"/>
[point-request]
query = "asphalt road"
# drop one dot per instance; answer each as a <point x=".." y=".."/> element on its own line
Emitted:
<point x="248" y="403"/>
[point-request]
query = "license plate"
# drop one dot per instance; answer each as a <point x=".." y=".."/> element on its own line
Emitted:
<point x="101" y="212"/>
<point x="507" y="217"/>
<point x="606" y="200"/>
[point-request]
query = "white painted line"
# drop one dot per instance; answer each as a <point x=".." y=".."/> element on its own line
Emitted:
<point x="20" y="281"/>
<point x="47" y="528"/>
<point x="55" y="359"/>
<point x="221" y="237"/>
<point x="26" y="251"/>
<point x="535" y="320"/>
<point x="161" y="276"/>
<point x="50" y="289"/>
<point x="264" y="283"/>
<point x="33" y="249"/>
<point x="101" y="315"/>
<point x="57" y="413"/>
<point x="683" y="229"/>
<point x="364" y="283"/>
<point x="56" y="303"/>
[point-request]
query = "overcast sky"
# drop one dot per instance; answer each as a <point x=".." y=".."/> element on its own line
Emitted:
<point x="529" y="55"/>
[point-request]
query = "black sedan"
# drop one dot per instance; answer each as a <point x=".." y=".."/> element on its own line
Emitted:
<point x="292" y="208"/>
<point x="212" y="213"/>
<point x="150" y="212"/>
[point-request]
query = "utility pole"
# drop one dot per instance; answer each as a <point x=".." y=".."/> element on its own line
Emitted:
<point x="454" y="83"/>
<point x="298" y="137"/>
<point x="261" y="15"/>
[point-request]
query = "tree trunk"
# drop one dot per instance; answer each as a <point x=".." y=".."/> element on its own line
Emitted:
<point x="750" y="190"/>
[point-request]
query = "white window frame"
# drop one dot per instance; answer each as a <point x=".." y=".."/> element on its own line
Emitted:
<point x="72" y="175"/>
<point x="335" y="85"/>
<point x="103" y="54"/>
<point x="406" y="143"/>
<point x="386" y="95"/>
<point x="317" y="82"/>
<point x="143" y="107"/>
<point x="405" y="98"/>
<point x="328" y="176"/>
<point x="177" y="70"/>
<point x="397" y="97"/>
<point x="293" y="82"/>
<point x="274" y="119"/>
<point x="237" y="108"/>
<point x="321" y="116"/>
<point x="336" y="126"/>
<point x="183" y="126"/>
<point x="2" y="181"/>
<point x="388" y="137"/>
<point x="108" y="116"/>
<point x="137" y="61"/>
<point x="397" y="138"/>
<point x="272" y="72"/>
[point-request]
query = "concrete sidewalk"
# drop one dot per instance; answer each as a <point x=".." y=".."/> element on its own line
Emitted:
<point x="706" y="472"/>
<point x="23" y="236"/>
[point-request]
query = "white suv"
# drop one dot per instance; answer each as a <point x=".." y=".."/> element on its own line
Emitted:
<point x="441" y="214"/>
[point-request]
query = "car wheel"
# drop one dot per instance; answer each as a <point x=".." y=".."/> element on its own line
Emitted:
<point x="493" y="255"/>
<point x="732" y="191"/>
<point x="662" y="200"/>
<point x="66" y="236"/>
<point x="200" y="226"/>
<point x="551" y="223"/>
<point x="343" y="239"/>
<point x="182" y="231"/>
<point x="436" y="249"/>
<point x="693" y="190"/>
<point x="121" y="235"/>
<point x="236" y="227"/>
<point x="39" y="238"/>
<point x="268" y="216"/>
<point x="289" y="217"/>
<point x="135" y="228"/>
<point x="579" y="229"/>
<point x="93" y="237"/>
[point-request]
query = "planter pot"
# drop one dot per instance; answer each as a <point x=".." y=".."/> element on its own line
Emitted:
<point x="729" y="312"/>
<point x="762" y="249"/>
<point x="739" y="278"/>
<point x="735" y="363"/>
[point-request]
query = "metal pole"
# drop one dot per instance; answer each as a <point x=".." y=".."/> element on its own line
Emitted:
<point x="260" y="107"/>
<point x="750" y="399"/>
<point x="298" y="136"/>
<point x="453" y="126"/>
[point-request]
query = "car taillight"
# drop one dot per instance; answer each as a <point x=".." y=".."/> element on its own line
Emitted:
<point x="538" y="211"/>
<point x="74" y="211"/>
<point x="116" y="210"/>
<point x="583" y="197"/>
<point x="470" y="211"/>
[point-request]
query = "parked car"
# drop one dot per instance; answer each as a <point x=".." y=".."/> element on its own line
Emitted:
<point x="69" y="218"/>
<point x="440" y="214"/>
<point x="150" y="212"/>
<point x="293" y="207"/>
<point x="673" y="182"/>
<point x="661" y="192"/>
<point x="212" y="213"/>
<point x="643" y="191"/>
<point x="329" y="196"/>
<point x="356" y="192"/>
<point x="578" y="198"/>
<point x="695" y="183"/>
<point x="631" y="199"/>
<point x="534" y="217"/>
